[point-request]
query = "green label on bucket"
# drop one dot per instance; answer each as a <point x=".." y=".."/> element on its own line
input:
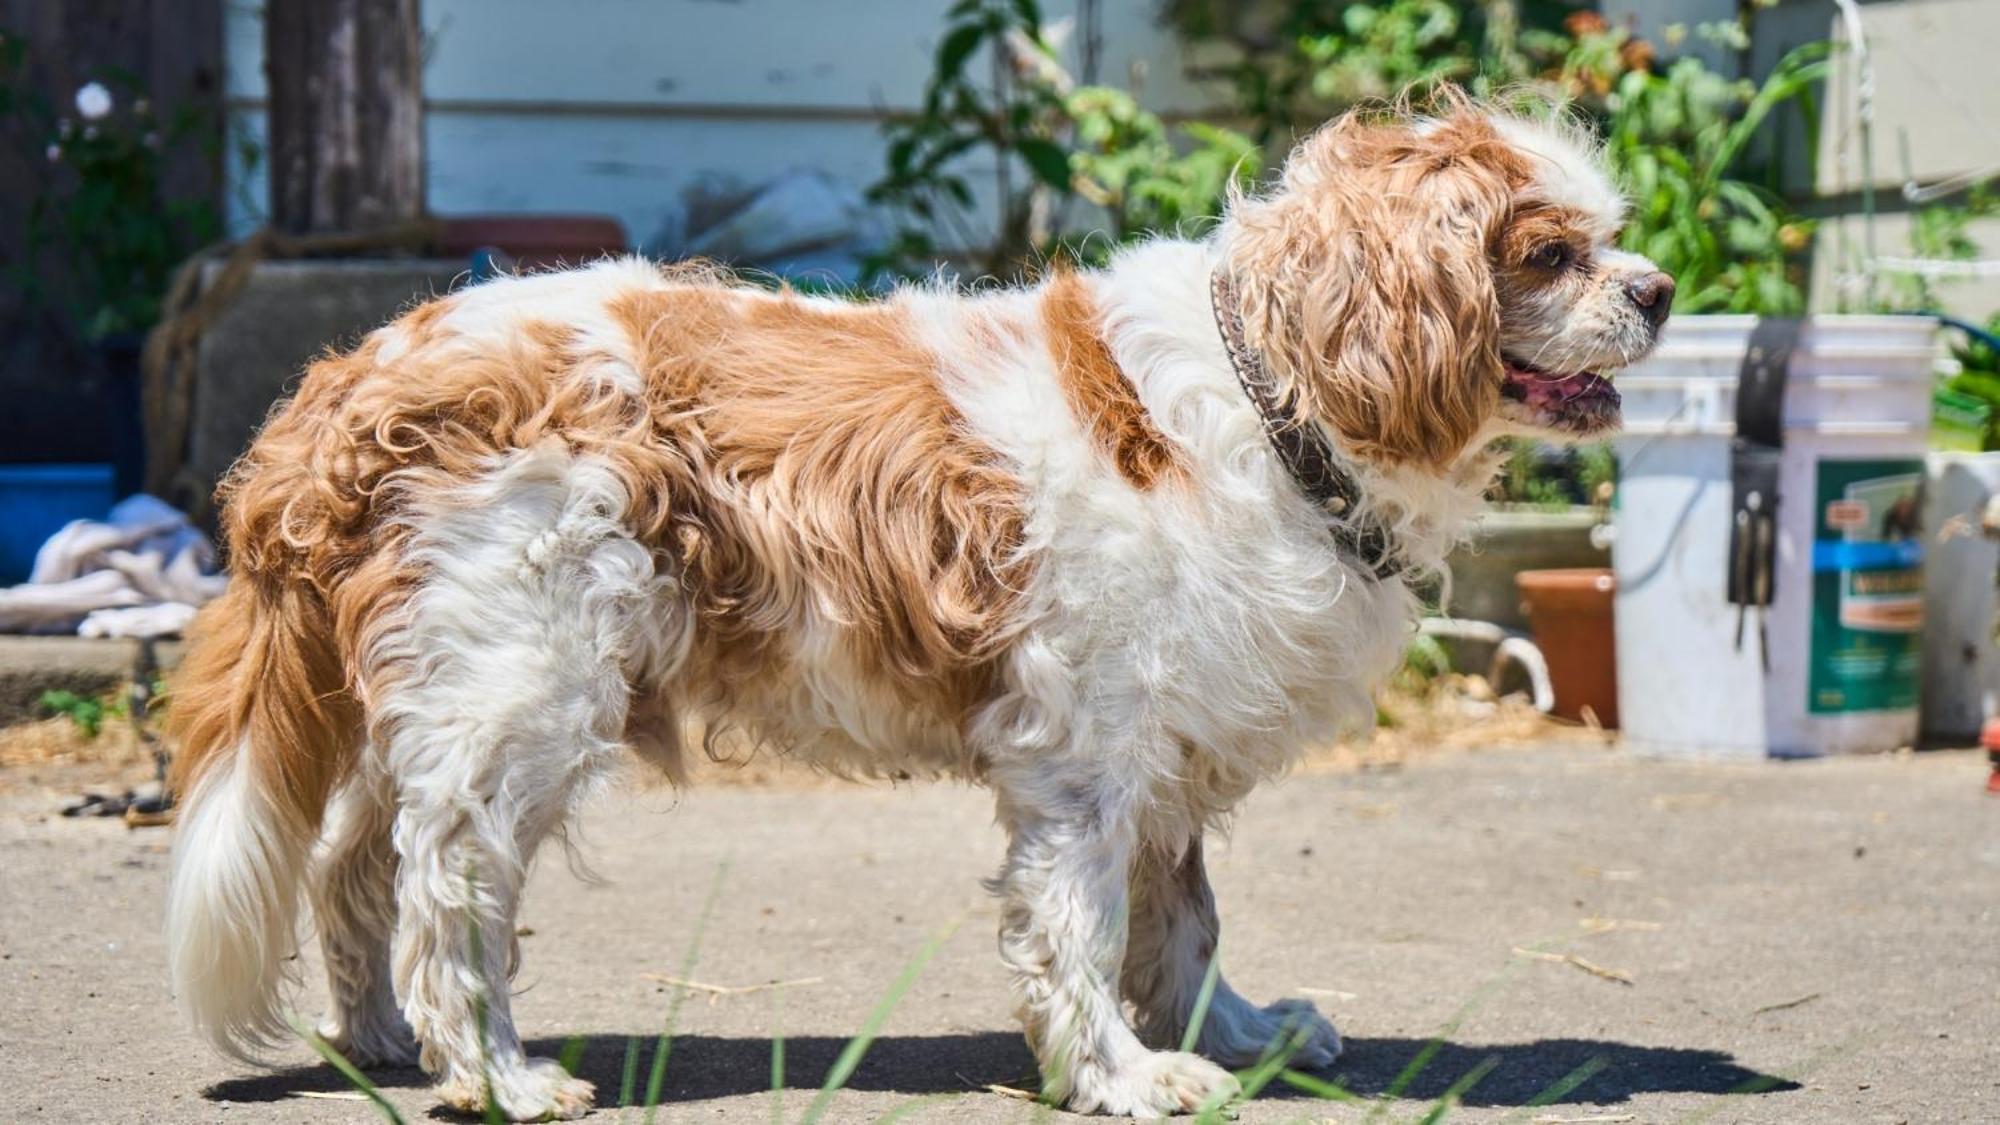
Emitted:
<point x="1868" y="589"/>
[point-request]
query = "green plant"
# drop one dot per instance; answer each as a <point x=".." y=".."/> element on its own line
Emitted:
<point x="104" y="218"/>
<point x="1125" y="162"/>
<point x="1292" y="65"/>
<point x="1939" y="232"/>
<point x="1425" y="661"/>
<point x="1053" y="145"/>
<point x="1972" y="395"/>
<point x="1678" y="140"/>
<point x="1536" y="474"/>
<point x="1596" y="472"/>
<point x="1523" y="479"/>
<point x="86" y="712"/>
<point x="1678" y="135"/>
<point x="1013" y="112"/>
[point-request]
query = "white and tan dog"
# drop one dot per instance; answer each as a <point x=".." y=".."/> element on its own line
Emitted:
<point x="1059" y="540"/>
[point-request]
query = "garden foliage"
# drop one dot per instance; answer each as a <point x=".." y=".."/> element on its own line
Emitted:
<point x="1690" y="145"/>
<point x="105" y="234"/>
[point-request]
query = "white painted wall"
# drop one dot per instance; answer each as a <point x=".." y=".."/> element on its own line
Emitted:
<point x="619" y="106"/>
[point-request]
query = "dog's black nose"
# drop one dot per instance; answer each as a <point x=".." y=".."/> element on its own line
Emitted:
<point x="1654" y="294"/>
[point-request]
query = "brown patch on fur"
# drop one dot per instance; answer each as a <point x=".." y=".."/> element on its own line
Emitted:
<point x="1531" y="228"/>
<point x="815" y="471"/>
<point x="266" y="666"/>
<point x="1367" y="283"/>
<point x="317" y="573"/>
<point x="1099" y="394"/>
<point x="791" y="463"/>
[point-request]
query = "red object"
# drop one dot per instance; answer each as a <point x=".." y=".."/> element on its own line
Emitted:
<point x="534" y="240"/>
<point x="1989" y="737"/>
<point x="1570" y="612"/>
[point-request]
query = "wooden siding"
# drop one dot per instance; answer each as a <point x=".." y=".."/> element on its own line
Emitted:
<point x="620" y="106"/>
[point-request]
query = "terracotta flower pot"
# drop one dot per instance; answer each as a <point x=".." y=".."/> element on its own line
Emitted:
<point x="1570" y="613"/>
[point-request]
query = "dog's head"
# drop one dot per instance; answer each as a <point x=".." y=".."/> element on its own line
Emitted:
<point x="1420" y="282"/>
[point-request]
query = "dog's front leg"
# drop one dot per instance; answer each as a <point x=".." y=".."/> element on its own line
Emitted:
<point x="1173" y="937"/>
<point x="1063" y="925"/>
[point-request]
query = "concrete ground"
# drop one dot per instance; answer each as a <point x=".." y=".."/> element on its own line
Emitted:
<point x="1812" y="942"/>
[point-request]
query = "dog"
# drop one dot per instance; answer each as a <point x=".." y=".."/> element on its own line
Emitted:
<point x="1116" y="545"/>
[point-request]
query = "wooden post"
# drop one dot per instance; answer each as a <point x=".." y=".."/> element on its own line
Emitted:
<point x="347" y="122"/>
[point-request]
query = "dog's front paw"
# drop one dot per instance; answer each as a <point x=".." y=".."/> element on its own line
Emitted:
<point x="1240" y="1035"/>
<point x="1155" y="1084"/>
<point x="540" y="1090"/>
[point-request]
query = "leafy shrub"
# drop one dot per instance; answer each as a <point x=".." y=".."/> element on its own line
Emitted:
<point x="1539" y="475"/>
<point x="1678" y="135"/>
<point x="1677" y="139"/>
<point x="1293" y="65"/>
<point x="1053" y="146"/>
<point x="104" y="213"/>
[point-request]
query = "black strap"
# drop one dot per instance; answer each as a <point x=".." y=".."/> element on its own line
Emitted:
<point x="1300" y="445"/>
<point x="1755" y="462"/>
<point x="1760" y="384"/>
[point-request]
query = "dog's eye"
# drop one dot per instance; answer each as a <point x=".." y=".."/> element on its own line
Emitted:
<point x="1551" y="255"/>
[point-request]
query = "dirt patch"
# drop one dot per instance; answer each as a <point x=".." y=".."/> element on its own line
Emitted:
<point x="1450" y="713"/>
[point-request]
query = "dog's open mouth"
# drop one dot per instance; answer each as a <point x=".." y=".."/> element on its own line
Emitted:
<point x="1582" y="401"/>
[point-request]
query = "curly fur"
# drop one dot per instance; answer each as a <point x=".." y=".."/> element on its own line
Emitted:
<point x="1033" y="537"/>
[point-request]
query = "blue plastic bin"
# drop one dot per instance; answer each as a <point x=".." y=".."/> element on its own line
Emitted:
<point x="37" y="500"/>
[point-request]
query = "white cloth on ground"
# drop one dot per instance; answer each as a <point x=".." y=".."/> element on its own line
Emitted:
<point x="141" y="572"/>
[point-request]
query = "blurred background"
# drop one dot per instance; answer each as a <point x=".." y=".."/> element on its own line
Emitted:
<point x="201" y="195"/>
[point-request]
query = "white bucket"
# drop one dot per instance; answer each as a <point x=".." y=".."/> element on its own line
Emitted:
<point x="1961" y="664"/>
<point x="1833" y="668"/>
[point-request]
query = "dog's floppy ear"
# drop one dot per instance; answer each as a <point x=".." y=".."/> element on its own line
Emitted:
<point x="1366" y="280"/>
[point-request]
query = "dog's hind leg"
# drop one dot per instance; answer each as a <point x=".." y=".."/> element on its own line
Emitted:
<point x="507" y="694"/>
<point x="353" y="890"/>
<point x="1174" y="929"/>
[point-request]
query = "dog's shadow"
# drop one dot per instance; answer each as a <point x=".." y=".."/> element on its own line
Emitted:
<point x="704" y="1067"/>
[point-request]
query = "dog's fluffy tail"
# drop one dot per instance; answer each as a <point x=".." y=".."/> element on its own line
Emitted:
<point x="264" y="727"/>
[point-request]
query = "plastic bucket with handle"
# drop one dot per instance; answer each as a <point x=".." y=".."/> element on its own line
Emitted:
<point x="1831" y="663"/>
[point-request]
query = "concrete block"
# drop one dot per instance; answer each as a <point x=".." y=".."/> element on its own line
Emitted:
<point x="1510" y="541"/>
<point x="30" y="666"/>
<point x="287" y="314"/>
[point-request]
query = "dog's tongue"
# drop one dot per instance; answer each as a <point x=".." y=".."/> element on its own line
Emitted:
<point x="1539" y="389"/>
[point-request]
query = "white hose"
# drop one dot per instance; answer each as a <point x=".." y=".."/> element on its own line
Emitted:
<point x="1508" y="648"/>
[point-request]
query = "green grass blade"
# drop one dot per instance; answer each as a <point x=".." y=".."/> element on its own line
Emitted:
<point x="777" y="1061"/>
<point x="1277" y="1058"/>
<point x="475" y="938"/>
<point x="1758" y="1083"/>
<point x="657" y="1077"/>
<point x="492" y="1114"/>
<point x="1425" y="1056"/>
<point x="1560" y="1087"/>
<point x="1202" y="998"/>
<point x="850" y="1056"/>
<point x="1319" y="1087"/>
<point x="628" y="1083"/>
<point x="349" y="1071"/>
<point x="571" y="1055"/>
<point x="1455" y="1093"/>
<point x="1274" y="1061"/>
